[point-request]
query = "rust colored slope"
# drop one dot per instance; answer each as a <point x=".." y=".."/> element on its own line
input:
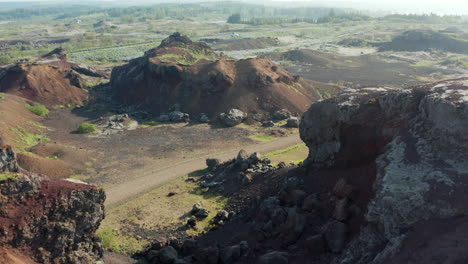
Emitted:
<point x="13" y="256"/>
<point x="210" y="85"/>
<point x="42" y="83"/>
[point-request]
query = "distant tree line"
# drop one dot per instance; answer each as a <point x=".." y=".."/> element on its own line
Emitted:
<point x="63" y="12"/>
<point x="237" y="12"/>
<point x="330" y="17"/>
<point x="258" y="14"/>
<point x="426" y="18"/>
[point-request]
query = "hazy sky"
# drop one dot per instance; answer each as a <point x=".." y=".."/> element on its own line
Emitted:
<point x="414" y="6"/>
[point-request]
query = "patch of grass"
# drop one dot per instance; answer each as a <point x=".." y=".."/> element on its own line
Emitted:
<point x="2" y="96"/>
<point x="112" y="239"/>
<point x="6" y="176"/>
<point x="177" y="58"/>
<point x="27" y="139"/>
<point x="155" y="211"/>
<point x="86" y="128"/>
<point x="38" y="109"/>
<point x="37" y="125"/>
<point x="425" y="63"/>
<point x="262" y="137"/>
<point x="151" y="123"/>
<point x="294" y="88"/>
<point x="296" y="153"/>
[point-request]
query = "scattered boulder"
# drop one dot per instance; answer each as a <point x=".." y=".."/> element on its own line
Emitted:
<point x="159" y="243"/>
<point x="335" y="236"/>
<point x="191" y="222"/>
<point x="203" y="118"/>
<point x="293" y="122"/>
<point x="292" y="197"/>
<point x="177" y="116"/>
<point x="233" y="118"/>
<point x="257" y="117"/>
<point x="255" y="157"/>
<point x="8" y="161"/>
<point x="212" y="163"/>
<point x="316" y="244"/>
<point x="341" y="210"/>
<point x="164" y="118"/>
<point x="281" y="114"/>
<point x="242" y="157"/>
<point x="274" y="257"/>
<point x="310" y="203"/>
<point x="232" y="254"/>
<point x="222" y="215"/>
<point x="167" y="255"/>
<point x="199" y="212"/>
<point x="268" y="124"/>
<point x="189" y="247"/>
<point x="207" y="255"/>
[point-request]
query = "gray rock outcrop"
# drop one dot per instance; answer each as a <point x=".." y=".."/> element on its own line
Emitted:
<point x="233" y="118"/>
<point x="418" y="140"/>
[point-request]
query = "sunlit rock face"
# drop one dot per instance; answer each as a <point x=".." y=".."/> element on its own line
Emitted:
<point x="418" y="140"/>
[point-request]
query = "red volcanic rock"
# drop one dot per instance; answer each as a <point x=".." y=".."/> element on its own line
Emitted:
<point x="191" y="75"/>
<point x="50" y="221"/>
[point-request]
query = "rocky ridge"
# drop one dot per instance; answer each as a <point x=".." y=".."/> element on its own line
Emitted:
<point x="47" y="221"/>
<point x="416" y="139"/>
<point x="197" y="79"/>
<point x="383" y="183"/>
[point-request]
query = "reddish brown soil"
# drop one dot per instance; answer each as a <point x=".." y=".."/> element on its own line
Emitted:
<point x="13" y="256"/>
<point x="42" y="83"/>
<point x="15" y="121"/>
<point x="211" y="85"/>
<point x="355" y="71"/>
<point x="55" y="169"/>
<point x="15" y="114"/>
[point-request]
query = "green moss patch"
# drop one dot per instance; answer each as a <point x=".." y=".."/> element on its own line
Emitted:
<point x="38" y="109"/>
<point x="86" y="128"/>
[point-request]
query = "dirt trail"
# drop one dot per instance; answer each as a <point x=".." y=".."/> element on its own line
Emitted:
<point x="120" y="193"/>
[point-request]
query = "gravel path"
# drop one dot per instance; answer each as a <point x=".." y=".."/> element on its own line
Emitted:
<point x="122" y="192"/>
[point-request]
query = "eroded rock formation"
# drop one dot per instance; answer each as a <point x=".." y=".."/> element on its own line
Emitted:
<point x="384" y="183"/>
<point x="192" y="75"/>
<point x="48" y="221"/>
<point x="417" y="140"/>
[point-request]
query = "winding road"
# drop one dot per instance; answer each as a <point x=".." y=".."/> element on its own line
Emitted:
<point x="122" y="192"/>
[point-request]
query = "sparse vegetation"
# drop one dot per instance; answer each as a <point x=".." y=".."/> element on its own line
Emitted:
<point x="86" y="128"/>
<point x="38" y="109"/>
<point x="112" y="239"/>
<point x="27" y="139"/>
<point x="151" y="123"/>
<point x="262" y="137"/>
<point x="155" y="210"/>
<point x="296" y="154"/>
<point x="6" y="176"/>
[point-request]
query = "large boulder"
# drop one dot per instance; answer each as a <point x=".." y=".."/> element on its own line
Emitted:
<point x="51" y="221"/>
<point x="412" y="148"/>
<point x="177" y="116"/>
<point x="292" y="122"/>
<point x="282" y="114"/>
<point x="167" y="255"/>
<point x="233" y="118"/>
<point x="274" y="257"/>
<point x="8" y="161"/>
